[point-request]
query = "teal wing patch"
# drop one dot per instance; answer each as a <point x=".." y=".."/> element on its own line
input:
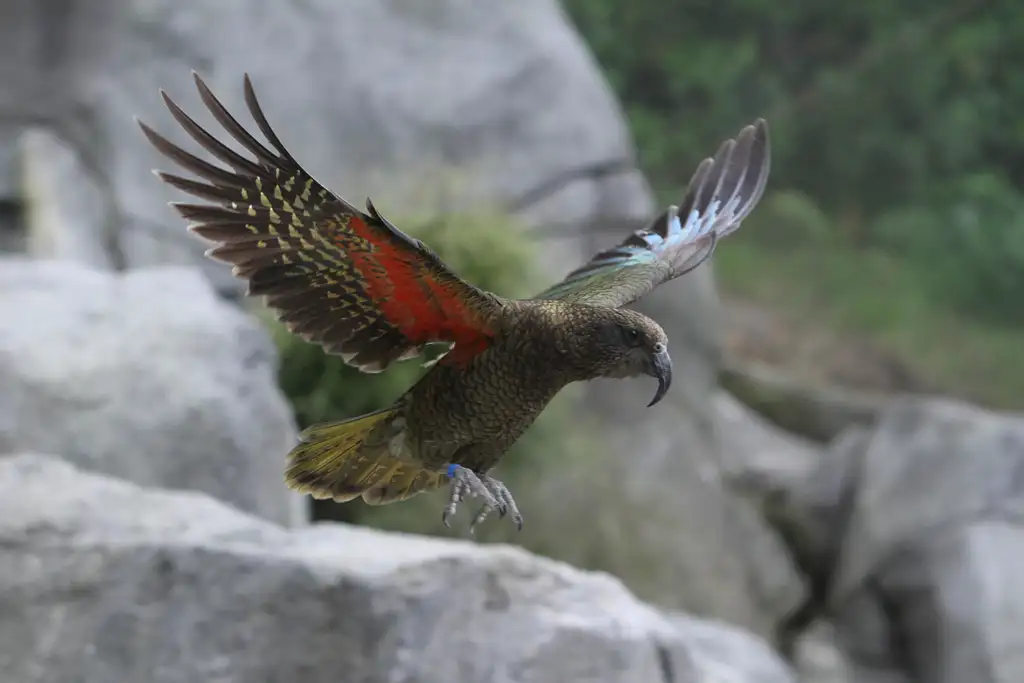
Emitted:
<point x="721" y="194"/>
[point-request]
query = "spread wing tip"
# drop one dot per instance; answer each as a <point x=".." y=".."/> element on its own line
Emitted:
<point x="405" y="294"/>
<point x="722" y="192"/>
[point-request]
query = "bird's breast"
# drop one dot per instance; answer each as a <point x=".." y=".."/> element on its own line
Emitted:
<point x="494" y="397"/>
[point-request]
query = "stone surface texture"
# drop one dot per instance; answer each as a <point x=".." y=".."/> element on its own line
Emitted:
<point x="111" y="582"/>
<point x="145" y="375"/>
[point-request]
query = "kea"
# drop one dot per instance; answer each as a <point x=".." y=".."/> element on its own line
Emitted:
<point x="354" y="283"/>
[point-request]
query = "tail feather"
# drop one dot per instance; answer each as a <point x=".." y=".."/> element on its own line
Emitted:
<point x="362" y="456"/>
<point x="403" y="483"/>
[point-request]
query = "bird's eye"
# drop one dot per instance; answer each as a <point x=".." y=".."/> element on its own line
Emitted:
<point x="632" y="335"/>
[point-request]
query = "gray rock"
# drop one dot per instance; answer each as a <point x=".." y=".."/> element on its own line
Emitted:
<point x="758" y="462"/>
<point x="10" y="181"/>
<point x="759" y="456"/>
<point x="71" y="229"/>
<point x="921" y="537"/>
<point x="50" y="51"/>
<point x="723" y="652"/>
<point x="786" y="478"/>
<point x="815" y="411"/>
<point x="147" y="376"/>
<point x="361" y="93"/>
<point x="12" y="218"/>
<point x="818" y="659"/>
<point x="107" y="582"/>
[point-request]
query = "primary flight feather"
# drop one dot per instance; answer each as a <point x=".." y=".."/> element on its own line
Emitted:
<point x="354" y="283"/>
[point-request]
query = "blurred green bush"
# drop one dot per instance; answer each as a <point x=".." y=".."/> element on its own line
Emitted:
<point x="788" y="218"/>
<point x="896" y="127"/>
<point x="967" y="245"/>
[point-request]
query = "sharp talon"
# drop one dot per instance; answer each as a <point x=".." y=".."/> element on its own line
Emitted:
<point x="505" y="504"/>
<point x="465" y="483"/>
<point x="494" y="494"/>
<point x="480" y="517"/>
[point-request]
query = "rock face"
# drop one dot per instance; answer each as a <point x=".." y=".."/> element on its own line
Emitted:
<point x="913" y="537"/>
<point x="397" y="99"/>
<point x="109" y="582"/>
<point x="811" y="410"/>
<point x="425" y="106"/>
<point x="767" y="465"/>
<point x="147" y="376"/>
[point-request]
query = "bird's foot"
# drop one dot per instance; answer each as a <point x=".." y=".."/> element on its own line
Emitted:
<point x="465" y="482"/>
<point x="506" y="504"/>
<point x="495" y="495"/>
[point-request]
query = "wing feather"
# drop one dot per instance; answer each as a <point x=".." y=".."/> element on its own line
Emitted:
<point x="723" y="191"/>
<point x="344" y="278"/>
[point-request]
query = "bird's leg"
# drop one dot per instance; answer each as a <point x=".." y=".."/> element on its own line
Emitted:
<point x="466" y="482"/>
<point x="506" y="503"/>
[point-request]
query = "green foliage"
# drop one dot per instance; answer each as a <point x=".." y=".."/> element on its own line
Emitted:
<point x="986" y="226"/>
<point x="968" y="246"/>
<point x="869" y="102"/>
<point x="874" y="295"/>
<point x="789" y="218"/>
<point x="899" y="122"/>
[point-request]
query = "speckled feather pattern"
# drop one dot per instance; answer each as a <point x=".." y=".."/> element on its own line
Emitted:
<point x="356" y="284"/>
<point x="471" y="415"/>
<point x="337" y="276"/>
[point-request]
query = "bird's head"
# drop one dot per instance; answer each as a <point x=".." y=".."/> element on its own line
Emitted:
<point x="622" y="343"/>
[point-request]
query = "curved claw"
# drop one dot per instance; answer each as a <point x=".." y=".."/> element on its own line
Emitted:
<point x="478" y="518"/>
<point x="495" y="495"/>
<point x="466" y="482"/>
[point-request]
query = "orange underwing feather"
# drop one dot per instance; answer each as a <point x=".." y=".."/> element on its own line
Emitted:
<point x="346" y="279"/>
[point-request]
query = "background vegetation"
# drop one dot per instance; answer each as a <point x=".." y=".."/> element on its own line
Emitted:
<point x="896" y="206"/>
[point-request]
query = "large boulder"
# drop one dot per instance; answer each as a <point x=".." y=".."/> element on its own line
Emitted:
<point x="766" y="465"/>
<point x="911" y="534"/>
<point x="145" y="375"/>
<point x="815" y="411"/>
<point x="103" y="581"/>
<point x="749" y="446"/>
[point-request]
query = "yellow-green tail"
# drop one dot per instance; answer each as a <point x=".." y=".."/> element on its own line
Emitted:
<point x="363" y="456"/>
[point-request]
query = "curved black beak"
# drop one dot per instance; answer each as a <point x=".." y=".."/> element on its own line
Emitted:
<point x="660" y="367"/>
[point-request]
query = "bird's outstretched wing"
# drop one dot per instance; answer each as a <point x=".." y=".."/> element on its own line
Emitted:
<point x="722" y="192"/>
<point x="348" y="280"/>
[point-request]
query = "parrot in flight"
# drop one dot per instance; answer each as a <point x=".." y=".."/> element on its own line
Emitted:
<point x="354" y="283"/>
